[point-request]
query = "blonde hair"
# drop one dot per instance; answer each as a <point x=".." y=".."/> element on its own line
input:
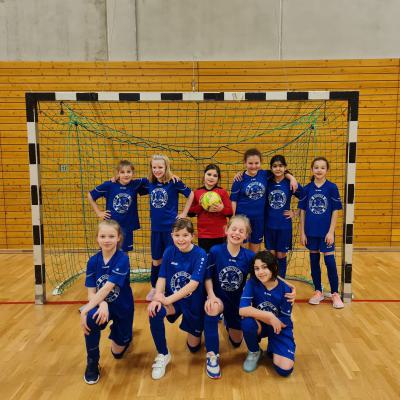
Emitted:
<point x="113" y="224"/>
<point x="243" y="219"/>
<point x="168" y="174"/>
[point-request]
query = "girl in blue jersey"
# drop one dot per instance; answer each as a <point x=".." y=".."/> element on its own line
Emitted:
<point x="248" y="195"/>
<point x="228" y="266"/>
<point x="319" y="205"/>
<point x="121" y="201"/>
<point x="278" y="223"/>
<point x="179" y="291"/>
<point x="267" y="313"/>
<point x="110" y="298"/>
<point x="164" y="192"/>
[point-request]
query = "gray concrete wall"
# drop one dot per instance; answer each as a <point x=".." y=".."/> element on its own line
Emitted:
<point x="53" y="30"/>
<point x="198" y="29"/>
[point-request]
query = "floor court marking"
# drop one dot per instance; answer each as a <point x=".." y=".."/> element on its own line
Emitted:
<point x="141" y="301"/>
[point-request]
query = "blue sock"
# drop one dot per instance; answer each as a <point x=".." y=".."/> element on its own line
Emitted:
<point x="332" y="272"/>
<point x="157" y="328"/>
<point x="154" y="275"/>
<point x="282" y="263"/>
<point x="249" y="328"/>
<point x="283" y="372"/>
<point x="211" y="333"/>
<point x="316" y="270"/>
<point x="93" y="339"/>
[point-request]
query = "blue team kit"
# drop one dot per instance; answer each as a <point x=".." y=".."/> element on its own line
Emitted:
<point x="121" y="201"/>
<point x="250" y="194"/>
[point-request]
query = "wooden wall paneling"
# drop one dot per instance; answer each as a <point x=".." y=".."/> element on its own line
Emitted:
<point x="378" y="81"/>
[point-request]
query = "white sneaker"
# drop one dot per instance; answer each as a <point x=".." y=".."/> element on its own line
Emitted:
<point x="251" y="361"/>
<point x="159" y="365"/>
<point x="317" y="298"/>
<point x="150" y="295"/>
<point x="212" y="366"/>
<point x="337" y="301"/>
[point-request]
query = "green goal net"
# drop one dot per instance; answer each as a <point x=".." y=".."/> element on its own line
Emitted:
<point x="81" y="142"/>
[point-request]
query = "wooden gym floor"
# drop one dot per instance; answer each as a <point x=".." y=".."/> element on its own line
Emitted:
<point x="352" y="353"/>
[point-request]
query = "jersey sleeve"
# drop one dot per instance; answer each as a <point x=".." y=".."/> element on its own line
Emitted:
<point x="236" y="185"/>
<point x="101" y="190"/>
<point x="165" y="261"/>
<point x="299" y="192"/>
<point x="247" y="296"/>
<point x="143" y="186"/>
<point x="227" y="211"/>
<point x="285" y="308"/>
<point x="120" y="271"/>
<point x="335" y="198"/>
<point x="90" y="280"/>
<point x="268" y="173"/>
<point x="303" y="199"/>
<point x="199" y="269"/>
<point x="210" y="264"/>
<point x="195" y="208"/>
<point x="182" y="188"/>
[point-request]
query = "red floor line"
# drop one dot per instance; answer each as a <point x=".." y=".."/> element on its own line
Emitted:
<point x="141" y="301"/>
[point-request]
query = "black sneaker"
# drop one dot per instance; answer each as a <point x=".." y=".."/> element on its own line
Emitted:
<point x="92" y="372"/>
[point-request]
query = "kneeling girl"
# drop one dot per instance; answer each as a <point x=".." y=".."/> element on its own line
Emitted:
<point x="267" y="313"/>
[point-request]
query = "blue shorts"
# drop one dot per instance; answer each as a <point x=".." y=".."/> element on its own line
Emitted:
<point x="318" y="243"/>
<point x="282" y="344"/>
<point x="192" y="322"/>
<point x="257" y="230"/>
<point x="159" y="242"/>
<point x="231" y="315"/>
<point x="278" y="239"/>
<point x="120" y="329"/>
<point x="127" y="243"/>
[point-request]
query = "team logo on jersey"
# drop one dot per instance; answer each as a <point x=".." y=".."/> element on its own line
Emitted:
<point x="230" y="278"/>
<point x="255" y="190"/>
<point x="318" y="203"/>
<point x="159" y="198"/>
<point x="179" y="280"/>
<point x="268" y="306"/>
<point x="277" y="199"/>
<point x="113" y="295"/>
<point x="121" y="203"/>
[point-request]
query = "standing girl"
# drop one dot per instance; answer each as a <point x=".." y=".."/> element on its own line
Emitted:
<point x="110" y="298"/>
<point x="278" y="223"/>
<point x="319" y="206"/>
<point x="211" y="222"/>
<point x="228" y="265"/>
<point x="248" y="195"/>
<point x="266" y="312"/>
<point x="164" y="193"/>
<point x="121" y="201"/>
<point x="179" y="291"/>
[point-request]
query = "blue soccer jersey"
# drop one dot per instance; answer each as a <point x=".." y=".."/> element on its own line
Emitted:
<point x="278" y="201"/>
<point x="249" y="194"/>
<point x="319" y="203"/>
<point x="164" y="203"/>
<point x="116" y="270"/>
<point x="256" y="295"/>
<point x="180" y="268"/>
<point x="121" y="201"/>
<point x="228" y="273"/>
